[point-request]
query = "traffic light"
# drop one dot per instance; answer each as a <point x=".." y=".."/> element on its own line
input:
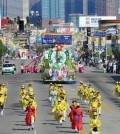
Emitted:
<point x="88" y="31"/>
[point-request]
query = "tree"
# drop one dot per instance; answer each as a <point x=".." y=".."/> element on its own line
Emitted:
<point x="3" y="49"/>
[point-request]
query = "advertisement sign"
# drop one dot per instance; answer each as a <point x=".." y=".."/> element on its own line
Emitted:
<point x="56" y="39"/>
<point x="93" y="21"/>
<point x="96" y="41"/>
<point x="103" y="41"/>
<point x="89" y="40"/>
<point x="39" y="39"/>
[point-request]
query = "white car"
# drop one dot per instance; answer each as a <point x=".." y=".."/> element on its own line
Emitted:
<point x="8" y="68"/>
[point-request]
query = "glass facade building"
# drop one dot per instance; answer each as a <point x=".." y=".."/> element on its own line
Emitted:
<point x="91" y="7"/>
<point x="12" y="9"/>
<point x="52" y="9"/>
<point x="73" y="7"/>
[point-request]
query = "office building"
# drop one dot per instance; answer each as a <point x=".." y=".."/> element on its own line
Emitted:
<point x="91" y="7"/>
<point x="52" y="9"/>
<point x="73" y="7"/>
<point x="13" y="8"/>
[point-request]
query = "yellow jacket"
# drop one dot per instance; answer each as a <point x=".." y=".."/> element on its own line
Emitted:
<point x="95" y="123"/>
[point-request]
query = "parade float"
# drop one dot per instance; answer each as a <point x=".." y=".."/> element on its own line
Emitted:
<point x="58" y="66"/>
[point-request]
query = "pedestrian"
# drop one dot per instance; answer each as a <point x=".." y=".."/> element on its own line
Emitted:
<point x="114" y="68"/>
<point x="104" y="67"/>
<point x="78" y="118"/>
<point x="22" y="68"/>
<point x="95" y="125"/>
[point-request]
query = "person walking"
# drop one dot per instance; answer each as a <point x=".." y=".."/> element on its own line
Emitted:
<point x="95" y="125"/>
<point x="104" y="67"/>
<point x="114" y="68"/>
<point x="78" y="118"/>
<point x="30" y="116"/>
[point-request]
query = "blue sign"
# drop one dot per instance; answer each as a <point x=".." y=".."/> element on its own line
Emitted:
<point x="39" y="39"/>
<point x="56" y="39"/>
<point x="100" y="34"/>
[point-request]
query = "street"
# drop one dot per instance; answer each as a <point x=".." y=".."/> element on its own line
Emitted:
<point x="13" y="121"/>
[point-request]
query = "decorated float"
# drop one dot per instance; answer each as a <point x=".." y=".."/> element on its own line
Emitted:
<point x="57" y="66"/>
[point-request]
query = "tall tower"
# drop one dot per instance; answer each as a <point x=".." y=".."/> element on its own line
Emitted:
<point x="73" y="7"/>
<point x="53" y="9"/>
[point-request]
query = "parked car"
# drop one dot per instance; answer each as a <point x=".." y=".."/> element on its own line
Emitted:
<point x="8" y="68"/>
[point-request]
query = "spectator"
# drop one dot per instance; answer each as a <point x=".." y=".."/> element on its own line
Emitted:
<point x="114" y="67"/>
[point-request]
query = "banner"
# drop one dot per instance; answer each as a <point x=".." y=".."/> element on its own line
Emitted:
<point x="96" y="41"/>
<point x="103" y="41"/>
<point x="89" y="40"/>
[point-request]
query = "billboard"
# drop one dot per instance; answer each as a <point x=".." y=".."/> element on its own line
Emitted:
<point x="56" y="39"/>
<point x="93" y="21"/>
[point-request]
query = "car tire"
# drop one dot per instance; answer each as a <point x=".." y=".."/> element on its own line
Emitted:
<point x="13" y="73"/>
<point x="2" y="73"/>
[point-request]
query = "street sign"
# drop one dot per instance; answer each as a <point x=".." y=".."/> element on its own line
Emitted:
<point x="56" y="39"/>
<point x="100" y="34"/>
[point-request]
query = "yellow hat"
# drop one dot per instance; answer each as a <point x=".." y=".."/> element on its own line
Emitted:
<point x="50" y="83"/>
<point x="3" y="84"/>
<point x="23" y="86"/>
<point x="59" y="100"/>
<point x="81" y="82"/>
<point x="78" y="104"/>
<point x="95" y="114"/>
<point x="117" y="82"/>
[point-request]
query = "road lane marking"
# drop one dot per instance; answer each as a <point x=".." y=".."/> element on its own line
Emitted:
<point x="107" y="107"/>
<point x="35" y="132"/>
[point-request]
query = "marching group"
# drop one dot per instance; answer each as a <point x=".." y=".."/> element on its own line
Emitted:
<point x="29" y="105"/>
<point x="60" y="106"/>
<point x="58" y="100"/>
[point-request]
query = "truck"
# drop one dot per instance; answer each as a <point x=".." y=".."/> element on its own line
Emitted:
<point x="57" y="66"/>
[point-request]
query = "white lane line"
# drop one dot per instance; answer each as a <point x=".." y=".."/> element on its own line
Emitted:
<point x="35" y="132"/>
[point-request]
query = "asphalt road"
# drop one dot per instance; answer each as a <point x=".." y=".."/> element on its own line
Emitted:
<point x="13" y="120"/>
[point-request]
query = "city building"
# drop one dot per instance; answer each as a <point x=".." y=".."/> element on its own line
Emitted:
<point x="12" y="9"/>
<point x="34" y="11"/>
<point x="73" y="7"/>
<point x="91" y="7"/>
<point x="100" y="7"/>
<point x="52" y="9"/>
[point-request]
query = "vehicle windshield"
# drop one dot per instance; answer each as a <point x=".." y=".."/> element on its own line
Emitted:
<point x="7" y="65"/>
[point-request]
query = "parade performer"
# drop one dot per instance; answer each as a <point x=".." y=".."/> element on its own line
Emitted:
<point x="78" y="118"/>
<point x="30" y="116"/>
<point x="71" y="114"/>
<point x="2" y="101"/>
<point x="53" y="96"/>
<point x="58" y="112"/>
<point x="115" y="88"/>
<point x="95" y="125"/>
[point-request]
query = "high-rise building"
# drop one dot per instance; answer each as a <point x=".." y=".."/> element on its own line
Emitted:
<point x="85" y="7"/>
<point x="91" y="7"/>
<point x="13" y="8"/>
<point x="52" y="9"/>
<point x="73" y="7"/>
<point x="100" y="8"/>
